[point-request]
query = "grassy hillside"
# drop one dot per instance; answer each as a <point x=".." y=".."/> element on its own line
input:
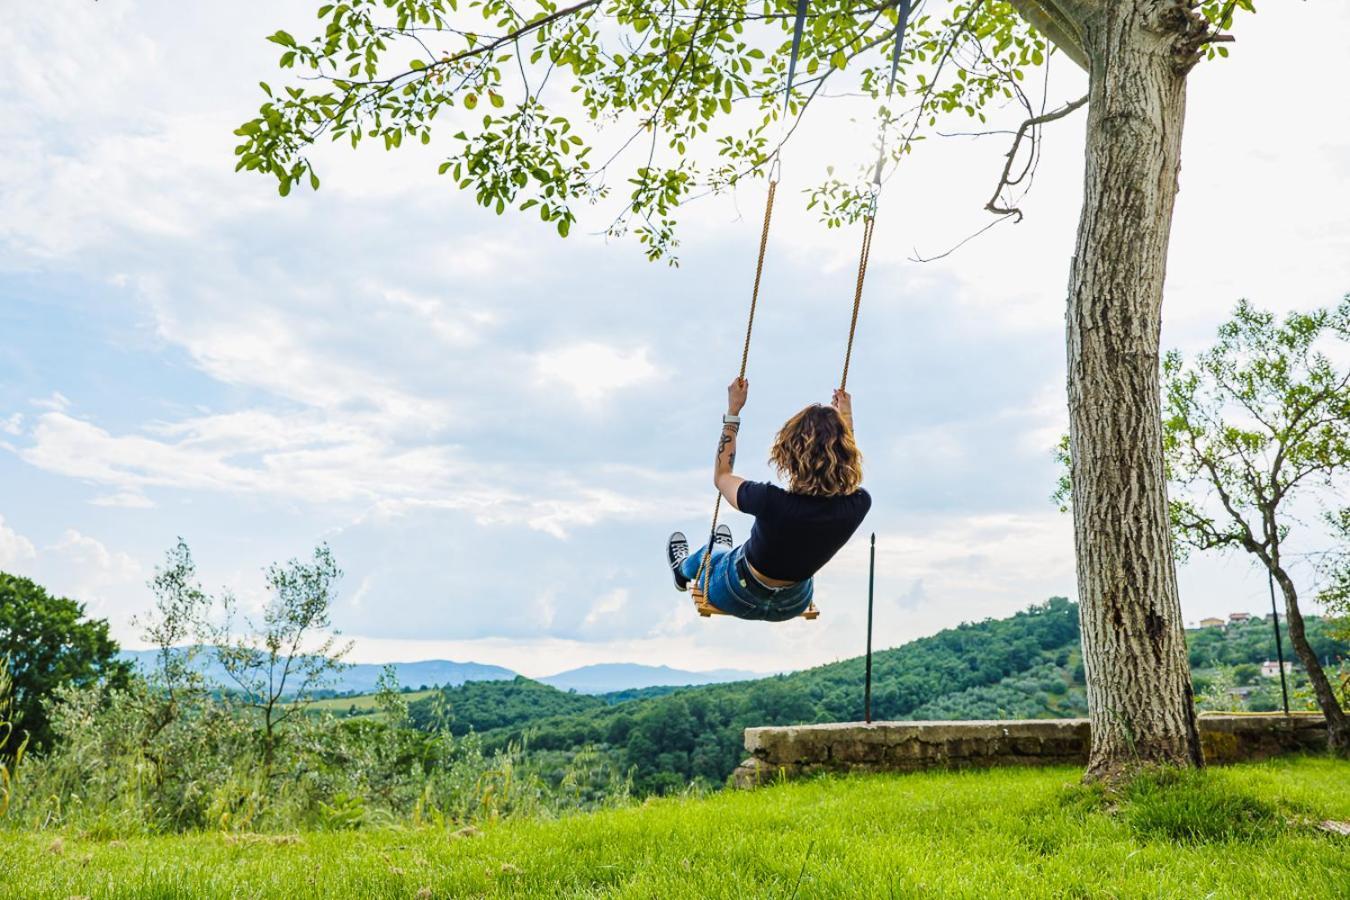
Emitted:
<point x="1019" y="666"/>
<point x="1254" y="642"/>
<point x="1026" y="666"/>
<point x="1248" y="831"/>
<point x="489" y="705"/>
<point x="363" y="704"/>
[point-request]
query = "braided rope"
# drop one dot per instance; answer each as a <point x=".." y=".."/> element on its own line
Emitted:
<point x="866" y="252"/>
<point x="704" y="569"/>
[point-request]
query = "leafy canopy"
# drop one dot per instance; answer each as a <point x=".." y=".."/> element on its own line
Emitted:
<point x="49" y="644"/>
<point x="679" y="82"/>
<point x="1260" y="417"/>
<point x="681" y="98"/>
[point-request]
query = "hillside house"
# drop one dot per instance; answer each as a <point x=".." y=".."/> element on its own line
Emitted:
<point x="1271" y="669"/>
<point x="1239" y="618"/>
<point x="1211" y="622"/>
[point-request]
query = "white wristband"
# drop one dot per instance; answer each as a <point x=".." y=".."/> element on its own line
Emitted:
<point x="731" y="420"/>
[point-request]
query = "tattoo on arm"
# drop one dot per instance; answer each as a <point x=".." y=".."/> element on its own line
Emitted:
<point x="727" y="441"/>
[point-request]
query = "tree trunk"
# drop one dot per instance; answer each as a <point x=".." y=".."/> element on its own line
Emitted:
<point x="1338" y="728"/>
<point x="1134" y="649"/>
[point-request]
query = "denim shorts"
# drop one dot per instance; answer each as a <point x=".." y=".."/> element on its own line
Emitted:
<point x="733" y="589"/>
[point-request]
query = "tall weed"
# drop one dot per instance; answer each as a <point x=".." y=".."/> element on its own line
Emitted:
<point x="147" y="761"/>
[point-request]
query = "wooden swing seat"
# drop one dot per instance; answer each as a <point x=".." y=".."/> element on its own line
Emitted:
<point x="706" y="609"/>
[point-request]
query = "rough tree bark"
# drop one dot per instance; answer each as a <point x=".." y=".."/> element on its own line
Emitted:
<point x="1134" y="649"/>
<point x="1338" y="727"/>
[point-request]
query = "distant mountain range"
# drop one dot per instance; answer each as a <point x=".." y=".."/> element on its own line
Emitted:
<point x="361" y="677"/>
<point x="603" y="678"/>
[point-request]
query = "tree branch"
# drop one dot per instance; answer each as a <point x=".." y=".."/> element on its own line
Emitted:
<point x="1004" y="179"/>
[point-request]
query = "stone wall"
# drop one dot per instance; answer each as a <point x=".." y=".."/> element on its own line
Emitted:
<point x="909" y="746"/>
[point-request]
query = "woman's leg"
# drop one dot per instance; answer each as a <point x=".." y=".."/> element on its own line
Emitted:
<point x="689" y="568"/>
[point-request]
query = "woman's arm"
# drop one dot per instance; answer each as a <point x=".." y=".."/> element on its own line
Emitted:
<point x="727" y="482"/>
<point x="843" y="402"/>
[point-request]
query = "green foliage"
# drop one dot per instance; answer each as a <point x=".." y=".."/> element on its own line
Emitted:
<point x="389" y="699"/>
<point x="1009" y="832"/>
<point x="1027" y="666"/>
<point x="488" y="705"/>
<point x="1254" y="424"/>
<point x="683" y="81"/>
<point x="288" y="653"/>
<point x="1253" y="642"/>
<point x="1046" y="691"/>
<point x="49" y="644"/>
<point x="1259" y="418"/>
<point x="129" y="762"/>
<point x="676" y="79"/>
<point x="695" y="735"/>
<point x="11" y="760"/>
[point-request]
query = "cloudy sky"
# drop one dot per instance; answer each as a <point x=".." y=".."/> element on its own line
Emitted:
<point x="496" y="429"/>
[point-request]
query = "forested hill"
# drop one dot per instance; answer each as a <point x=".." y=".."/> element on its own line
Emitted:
<point x="1023" y="666"/>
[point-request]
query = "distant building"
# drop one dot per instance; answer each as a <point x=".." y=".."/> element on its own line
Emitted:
<point x="1211" y="622"/>
<point x="1271" y="669"/>
<point x="1238" y="618"/>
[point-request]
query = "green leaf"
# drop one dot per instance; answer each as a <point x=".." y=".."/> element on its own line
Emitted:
<point x="417" y="65"/>
<point x="470" y="101"/>
<point x="282" y="38"/>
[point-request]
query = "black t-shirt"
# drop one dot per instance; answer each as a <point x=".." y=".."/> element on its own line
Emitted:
<point x="795" y="535"/>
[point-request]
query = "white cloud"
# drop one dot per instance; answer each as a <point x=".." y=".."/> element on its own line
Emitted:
<point x="15" y="549"/>
<point x="57" y="401"/>
<point x="456" y="327"/>
<point x="605" y="607"/>
<point x="12" y="424"/>
<point x="124" y="500"/>
<point x="110" y="583"/>
<point x="309" y="458"/>
<point x="593" y="371"/>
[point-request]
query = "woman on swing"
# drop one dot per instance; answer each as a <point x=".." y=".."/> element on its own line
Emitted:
<point x="797" y="531"/>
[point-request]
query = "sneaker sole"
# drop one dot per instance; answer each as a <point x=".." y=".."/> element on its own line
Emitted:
<point x="674" y="566"/>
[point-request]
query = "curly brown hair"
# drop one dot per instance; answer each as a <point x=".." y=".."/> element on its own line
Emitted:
<point x="816" y="453"/>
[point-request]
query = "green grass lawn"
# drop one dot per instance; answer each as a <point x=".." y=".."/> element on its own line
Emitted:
<point x="1245" y="831"/>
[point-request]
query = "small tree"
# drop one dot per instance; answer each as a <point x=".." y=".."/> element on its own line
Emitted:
<point x="1335" y="596"/>
<point x="49" y="644"/>
<point x="172" y="629"/>
<point x="269" y="660"/>
<point x="1257" y="422"/>
<point x="389" y="699"/>
<point x="9" y="760"/>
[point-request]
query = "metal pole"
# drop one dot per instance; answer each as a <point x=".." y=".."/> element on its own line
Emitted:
<point x="1279" y="643"/>
<point x="871" y="584"/>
